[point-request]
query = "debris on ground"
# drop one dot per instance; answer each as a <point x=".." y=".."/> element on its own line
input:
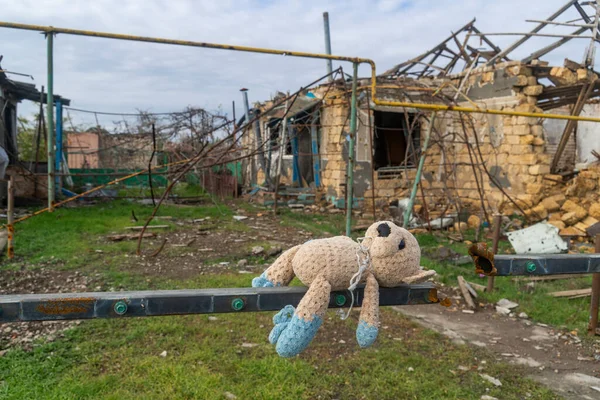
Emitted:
<point x="257" y="250"/>
<point x="465" y="292"/>
<point x="139" y="228"/>
<point x="133" y="236"/>
<point x="491" y="380"/>
<point x="507" y="304"/>
<point x="542" y="238"/>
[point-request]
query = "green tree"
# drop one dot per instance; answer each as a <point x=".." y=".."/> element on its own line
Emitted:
<point x="26" y="140"/>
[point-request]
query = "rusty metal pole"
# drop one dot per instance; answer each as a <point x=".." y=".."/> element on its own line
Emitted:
<point x="495" y="241"/>
<point x="595" y="302"/>
<point x="10" y="212"/>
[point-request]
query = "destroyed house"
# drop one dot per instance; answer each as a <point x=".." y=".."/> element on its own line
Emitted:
<point x="13" y="92"/>
<point x="478" y="162"/>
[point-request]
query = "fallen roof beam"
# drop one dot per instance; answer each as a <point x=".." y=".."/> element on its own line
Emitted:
<point x="584" y="95"/>
<point x="542" y="52"/>
<point x="560" y="23"/>
<point x="538" y="28"/>
<point x="497" y="49"/>
<point x="529" y="34"/>
<point x="69" y="306"/>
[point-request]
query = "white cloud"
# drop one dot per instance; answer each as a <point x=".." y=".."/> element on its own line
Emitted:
<point x="121" y="76"/>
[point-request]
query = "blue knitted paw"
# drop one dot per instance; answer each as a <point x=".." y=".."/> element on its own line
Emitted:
<point x="366" y="334"/>
<point x="281" y="320"/>
<point x="262" y="281"/>
<point x="294" y="336"/>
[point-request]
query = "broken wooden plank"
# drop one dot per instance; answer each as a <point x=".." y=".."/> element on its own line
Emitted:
<point x="477" y="286"/>
<point x="139" y="228"/>
<point x="572" y="65"/>
<point x="465" y="292"/>
<point x="570" y="293"/>
<point x="579" y="296"/>
<point x="188" y="244"/>
<point x="471" y="290"/>
<point x="549" y="278"/>
<point x="132" y="236"/>
<point x="593" y="230"/>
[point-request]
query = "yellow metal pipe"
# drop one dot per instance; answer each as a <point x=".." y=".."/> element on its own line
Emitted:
<point x="376" y="101"/>
<point x="118" y="36"/>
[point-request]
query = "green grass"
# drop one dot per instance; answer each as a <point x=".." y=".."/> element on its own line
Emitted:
<point x="332" y="224"/>
<point x="119" y="359"/>
<point x="561" y="312"/>
<point x="69" y="234"/>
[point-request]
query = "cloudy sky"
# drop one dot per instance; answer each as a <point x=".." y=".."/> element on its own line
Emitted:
<point x="119" y="76"/>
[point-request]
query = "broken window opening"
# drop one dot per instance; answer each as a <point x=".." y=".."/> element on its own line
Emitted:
<point x="275" y="130"/>
<point x="394" y="142"/>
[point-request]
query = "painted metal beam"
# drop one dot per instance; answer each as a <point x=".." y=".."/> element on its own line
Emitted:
<point x="531" y="264"/>
<point x="70" y="306"/>
<point x="290" y="53"/>
<point x="351" y="151"/>
<point x="50" y="114"/>
<point x="59" y="144"/>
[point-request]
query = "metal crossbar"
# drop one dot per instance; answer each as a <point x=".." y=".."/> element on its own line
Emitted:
<point x="150" y="303"/>
<point x="532" y="265"/>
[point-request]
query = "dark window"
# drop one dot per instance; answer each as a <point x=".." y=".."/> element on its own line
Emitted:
<point x="397" y="139"/>
<point x="275" y="129"/>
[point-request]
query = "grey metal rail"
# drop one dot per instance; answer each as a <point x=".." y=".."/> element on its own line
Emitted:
<point x="69" y="306"/>
<point x="486" y="262"/>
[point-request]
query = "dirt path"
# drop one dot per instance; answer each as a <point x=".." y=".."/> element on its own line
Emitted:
<point x="559" y="360"/>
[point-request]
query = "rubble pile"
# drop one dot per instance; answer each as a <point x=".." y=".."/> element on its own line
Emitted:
<point x="573" y="207"/>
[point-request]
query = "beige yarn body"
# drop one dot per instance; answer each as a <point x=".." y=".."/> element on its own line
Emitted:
<point x="329" y="264"/>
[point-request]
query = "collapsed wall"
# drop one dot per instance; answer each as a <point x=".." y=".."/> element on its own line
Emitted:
<point x="474" y="161"/>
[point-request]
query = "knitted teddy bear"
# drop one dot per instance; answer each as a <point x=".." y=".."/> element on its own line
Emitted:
<point x="388" y="256"/>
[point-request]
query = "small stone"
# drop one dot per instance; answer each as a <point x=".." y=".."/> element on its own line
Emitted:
<point x="502" y="310"/>
<point x="411" y="369"/>
<point x="491" y="379"/>
<point x="342" y="341"/>
<point x="230" y="395"/>
<point x="242" y="263"/>
<point x="249" y="345"/>
<point x="523" y="315"/>
<point x="163" y="354"/>
<point x="211" y="318"/>
<point x="468" y="312"/>
<point x="474" y="221"/>
<point x="258" y="250"/>
<point x="507" y="304"/>
<point x="274" y="251"/>
<point x="463" y="368"/>
<point x="486" y="397"/>
<point x="239" y="217"/>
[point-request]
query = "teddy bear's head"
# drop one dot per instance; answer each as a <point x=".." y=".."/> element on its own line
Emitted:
<point x="395" y="253"/>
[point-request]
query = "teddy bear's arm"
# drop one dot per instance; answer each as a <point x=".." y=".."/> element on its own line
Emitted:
<point x="368" y="325"/>
<point x="280" y="273"/>
<point x="294" y="333"/>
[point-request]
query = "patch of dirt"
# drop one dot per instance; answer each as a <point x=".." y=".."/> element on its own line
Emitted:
<point x="193" y="248"/>
<point x="558" y="359"/>
<point x="24" y="334"/>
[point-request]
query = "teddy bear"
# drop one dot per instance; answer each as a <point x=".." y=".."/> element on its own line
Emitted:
<point x="387" y="256"/>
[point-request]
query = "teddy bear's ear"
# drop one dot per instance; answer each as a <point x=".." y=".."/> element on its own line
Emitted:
<point x="384" y="230"/>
